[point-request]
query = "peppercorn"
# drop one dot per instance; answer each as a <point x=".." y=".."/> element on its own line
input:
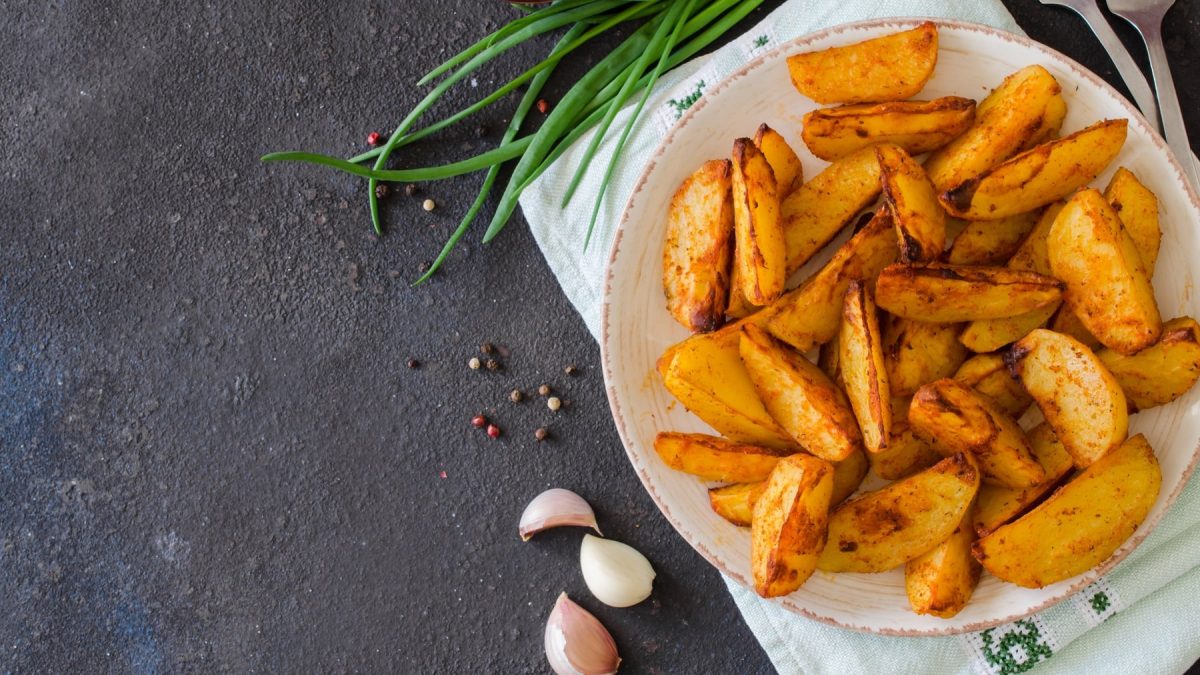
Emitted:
<point x="543" y="106"/>
<point x="493" y="431"/>
<point x="515" y="396"/>
<point x="428" y="205"/>
<point x="474" y="363"/>
<point x="541" y="434"/>
<point x="410" y="189"/>
<point x="554" y="403"/>
<point x="373" y="138"/>
<point x="381" y="190"/>
<point x="493" y="364"/>
<point x="544" y="390"/>
<point x="487" y="348"/>
<point x="571" y="369"/>
<point x="414" y="364"/>
<point x="478" y="421"/>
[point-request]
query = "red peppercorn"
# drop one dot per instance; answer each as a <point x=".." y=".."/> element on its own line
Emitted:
<point x="373" y="138"/>
<point x="478" y="421"/>
<point x="543" y="106"/>
<point x="493" y="431"/>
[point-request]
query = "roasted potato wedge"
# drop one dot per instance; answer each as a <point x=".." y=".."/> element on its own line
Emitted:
<point x="714" y="458"/>
<point x="735" y="503"/>
<point x="812" y="314"/>
<point x="918" y="352"/>
<point x="988" y="375"/>
<point x="906" y="453"/>
<point x="889" y="68"/>
<point x="920" y="221"/>
<point x="941" y="581"/>
<point x="1108" y="289"/>
<point x="1036" y="177"/>
<point x="738" y="306"/>
<point x="1080" y="525"/>
<point x="1052" y="121"/>
<point x="1079" y="398"/>
<point x="799" y="396"/>
<point x="954" y="418"/>
<point x="1162" y="372"/>
<point x="991" y="242"/>
<point x="1137" y="208"/>
<point x="848" y="474"/>
<point x="789" y="173"/>
<point x="997" y="505"/>
<point x="699" y="248"/>
<point x="1005" y="122"/>
<point x="760" y="252"/>
<point x="916" y="126"/>
<point x="951" y="294"/>
<point x="816" y="211"/>
<point x="881" y="530"/>
<point x="865" y="374"/>
<point x="787" y="532"/>
<point x="828" y="360"/>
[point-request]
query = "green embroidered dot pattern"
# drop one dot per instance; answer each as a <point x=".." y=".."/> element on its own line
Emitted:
<point x="687" y="101"/>
<point x="761" y="41"/>
<point x="1100" y="602"/>
<point x="1024" y="635"/>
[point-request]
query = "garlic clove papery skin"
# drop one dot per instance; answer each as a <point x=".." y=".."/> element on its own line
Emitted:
<point x="577" y="643"/>
<point x="617" y="574"/>
<point x="556" y="507"/>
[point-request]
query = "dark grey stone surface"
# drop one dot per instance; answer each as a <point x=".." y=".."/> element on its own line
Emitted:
<point x="212" y="454"/>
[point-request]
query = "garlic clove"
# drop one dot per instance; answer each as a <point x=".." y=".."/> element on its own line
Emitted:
<point x="615" y="573"/>
<point x="556" y="507"/>
<point x="577" y="643"/>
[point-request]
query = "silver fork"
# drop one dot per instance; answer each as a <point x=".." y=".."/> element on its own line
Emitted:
<point x="1143" y="95"/>
<point x="1147" y="17"/>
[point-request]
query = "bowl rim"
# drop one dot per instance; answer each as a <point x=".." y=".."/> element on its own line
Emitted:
<point x="1134" y="115"/>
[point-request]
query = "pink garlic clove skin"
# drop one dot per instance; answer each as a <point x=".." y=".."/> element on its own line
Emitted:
<point x="577" y="643"/>
<point x="556" y="507"/>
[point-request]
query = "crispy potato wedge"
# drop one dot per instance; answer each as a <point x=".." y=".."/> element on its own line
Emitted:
<point x="889" y="68"/>
<point x="735" y="503"/>
<point x="1079" y="398"/>
<point x="1067" y="323"/>
<point x="1036" y="177"/>
<point x="988" y="375"/>
<point x="714" y="458"/>
<point x="760" y="252"/>
<point x="954" y="418"/>
<point x="865" y="374"/>
<point x="1052" y="121"/>
<point x="992" y="242"/>
<point x="812" y="314"/>
<point x="1162" y="372"/>
<point x="816" y="211"/>
<point x="997" y="505"/>
<point x="918" y="352"/>
<point x="789" y="173"/>
<point x="906" y="453"/>
<point x="738" y="307"/>
<point x="941" y="581"/>
<point x="920" y="221"/>
<point x="1108" y="289"/>
<point x="988" y="335"/>
<point x="916" y="126"/>
<point x="699" y="248"/>
<point x="881" y="530"/>
<point x="1006" y="120"/>
<point x="848" y="474"/>
<point x="828" y="360"/>
<point x="787" y="532"/>
<point x="799" y="396"/>
<point x="951" y="294"/>
<point x="1137" y="208"/>
<point x="1080" y="525"/>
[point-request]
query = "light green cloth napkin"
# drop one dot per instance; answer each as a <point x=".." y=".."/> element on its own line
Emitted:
<point x="1140" y="618"/>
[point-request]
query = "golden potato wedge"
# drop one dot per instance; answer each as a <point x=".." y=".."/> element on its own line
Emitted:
<point x="1107" y="286"/>
<point x="787" y="532"/>
<point x="997" y="505"/>
<point x="906" y="453"/>
<point x="917" y="352"/>
<point x="1080" y="399"/>
<point x="760" y="251"/>
<point x="714" y="458"/>
<point x="889" y="68"/>
<point x="916" y="126"/>
<point x="920" y="221"/>
<point x="1039" y="176"/>
<point x="816" y="211"/>
<point x="1005" y="121"/>
<point x="1052" y="121"/>
<point x="828" y="360"/>
<point x="699" y="248"/>
<point x="951" y="294"/>
<point x="954" y="418"/>
<point x="988" y="375"/>
<point x="881" y="530"/>
<point x="738" y="306"/>
<point x="1162" y="372"/>
<point x="848" y="474"/>
<point x="1080" y="525"/>
<point x="799" y="396"/>
<point x="1137" y="208"/>
<point x="1067" y="323"/>
<point x="941" y="581"/>
<point x="735" y="503"/>
<point x="789" y="173"/>
<point x="992" y="242"/>
<point x="812" y="314"/>
<point x="865" y="375"/>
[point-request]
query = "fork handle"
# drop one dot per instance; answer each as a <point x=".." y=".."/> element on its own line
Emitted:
<point x="1168" y="101"/>
<point x="1139" y="88"/>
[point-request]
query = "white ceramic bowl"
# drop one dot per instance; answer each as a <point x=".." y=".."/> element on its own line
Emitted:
<point x="637" y="328"/>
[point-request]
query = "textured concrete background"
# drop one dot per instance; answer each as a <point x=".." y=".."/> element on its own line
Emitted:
<point x="212" y="454"/>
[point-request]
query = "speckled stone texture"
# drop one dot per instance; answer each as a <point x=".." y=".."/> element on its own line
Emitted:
<point x="213" y="456"/>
